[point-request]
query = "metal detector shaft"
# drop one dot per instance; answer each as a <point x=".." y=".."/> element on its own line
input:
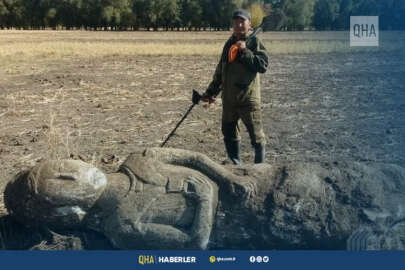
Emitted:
<point x="178" y="124"/>
<point x="196" y="97"/>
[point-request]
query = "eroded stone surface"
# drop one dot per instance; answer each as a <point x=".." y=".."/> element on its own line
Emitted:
<point x="176" y="199"/>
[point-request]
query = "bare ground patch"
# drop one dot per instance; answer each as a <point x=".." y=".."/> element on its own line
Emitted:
<point x="316" y="107"/>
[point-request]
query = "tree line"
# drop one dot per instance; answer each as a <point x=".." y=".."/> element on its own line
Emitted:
<point x="195" y="14"/>
<point x="335" y="14"/>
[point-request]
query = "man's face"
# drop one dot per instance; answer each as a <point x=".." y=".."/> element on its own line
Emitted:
<point x="240" y="27"/>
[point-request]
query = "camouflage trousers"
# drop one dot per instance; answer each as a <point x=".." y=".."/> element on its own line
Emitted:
<point x="251" y="117"/>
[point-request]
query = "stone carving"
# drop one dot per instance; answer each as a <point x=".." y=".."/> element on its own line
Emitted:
<point x="176" y="199"/>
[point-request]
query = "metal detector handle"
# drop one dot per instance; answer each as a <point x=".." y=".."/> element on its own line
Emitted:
<point x="196" y="97"/>
<point x="256" y="31"/>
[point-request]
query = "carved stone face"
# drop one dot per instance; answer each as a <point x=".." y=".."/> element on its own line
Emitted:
<point x="59" y="191"/>
<point x="68" y="182"/>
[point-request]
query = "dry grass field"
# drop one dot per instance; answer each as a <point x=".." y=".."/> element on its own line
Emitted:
<point x="96" y="96"/>
<point x="57" y="44"/>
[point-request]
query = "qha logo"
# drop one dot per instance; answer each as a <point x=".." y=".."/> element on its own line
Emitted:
<point x="364" y="31"/>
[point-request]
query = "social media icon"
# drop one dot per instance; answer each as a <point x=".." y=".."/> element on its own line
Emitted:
<point x="252" y="259"/>
<point x="266" y="259"/>
<point x="259" y="259"/>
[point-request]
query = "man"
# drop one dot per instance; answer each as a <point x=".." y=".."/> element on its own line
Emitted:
<point x="239" y="81"/>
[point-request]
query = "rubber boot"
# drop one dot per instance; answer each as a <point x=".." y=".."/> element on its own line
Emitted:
<point x="260" y="153"/>
<point x="233" y="150"/>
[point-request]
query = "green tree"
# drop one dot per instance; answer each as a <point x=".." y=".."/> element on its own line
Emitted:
<point x="33" y="14"/>
<point x="392" y="15"/>
<point x="147" y="13"/>
<point x="326" y="13"/>
<point x="92" y="13"/>
<point x="191" y="13"/>
<point x="170" y="16"/>
<point x="3" y="15"/>
<point x="292" y="14"/>
<point x="156" y="13"/>
<point x="366" y="8"/>
<point x="70" y="13"/>
<point x="212" y="13"/>
<point x="139" y="9"/>
<point x="345" y="11"/>
<point x="12" y="14"/>
<point x="115" y="12"/>
<point x="299" y="13"/>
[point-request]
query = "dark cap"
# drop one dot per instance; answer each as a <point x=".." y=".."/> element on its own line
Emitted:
<point x="244" y="14"/>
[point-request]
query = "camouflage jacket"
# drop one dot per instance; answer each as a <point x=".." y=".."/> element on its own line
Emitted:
<point x="239" y="81"/>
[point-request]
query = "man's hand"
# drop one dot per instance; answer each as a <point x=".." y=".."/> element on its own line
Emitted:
<point x="241" y="45"/>
<point x="207" y="98"/>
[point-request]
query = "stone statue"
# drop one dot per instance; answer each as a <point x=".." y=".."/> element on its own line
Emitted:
<point x="176" y="199"/>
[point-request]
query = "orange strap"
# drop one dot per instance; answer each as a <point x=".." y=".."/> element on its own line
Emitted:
<point x="233" y="53"/>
